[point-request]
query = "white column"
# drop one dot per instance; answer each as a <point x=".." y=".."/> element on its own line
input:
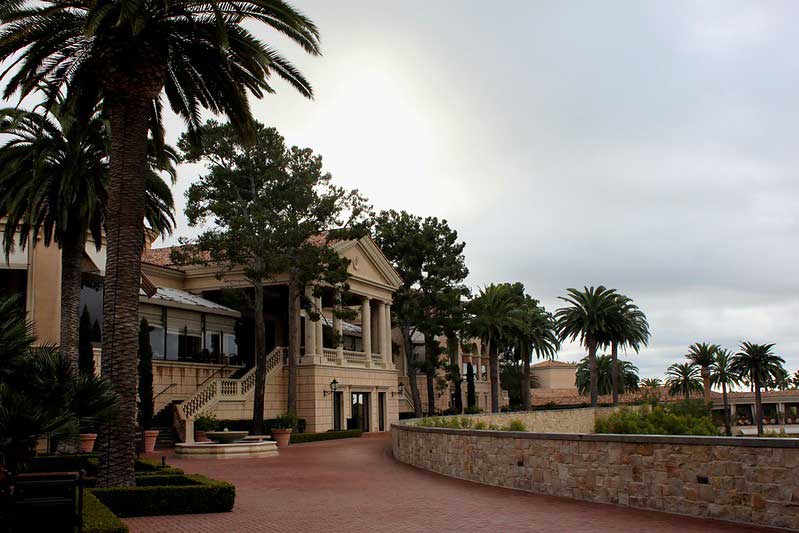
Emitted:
<point x="310" y="329"/>
<point x="381" y="329"/>
<point x="366" y="328"/>
<point x="318" y="324"/>
<point x="387" y="356"/>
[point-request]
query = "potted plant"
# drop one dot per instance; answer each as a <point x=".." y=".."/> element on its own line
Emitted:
<point x="146" y="407"/>
<point x="282" y="428"/>
<point x="202" y="424"/>
<point x="92" y="400"/>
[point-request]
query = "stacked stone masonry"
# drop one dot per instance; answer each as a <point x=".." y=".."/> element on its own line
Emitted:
<point x="745" y="480"/>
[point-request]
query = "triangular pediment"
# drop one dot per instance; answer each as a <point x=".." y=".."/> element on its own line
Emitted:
<point x="368" y="263"/>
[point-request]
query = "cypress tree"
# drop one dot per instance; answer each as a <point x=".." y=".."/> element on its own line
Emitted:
<point x="145" y="375"/>
<point x="85" y="352"/>
<point x="471" y="395"/>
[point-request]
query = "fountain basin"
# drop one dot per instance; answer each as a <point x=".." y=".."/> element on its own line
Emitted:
<point x="232" y="450"/>
<point x="226" y="437"/>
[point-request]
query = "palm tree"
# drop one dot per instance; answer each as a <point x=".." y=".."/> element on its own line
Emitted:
<point x="702" y="355"/>
<point x="683" y="379"/>
<point x="604" y="363"/>
<point x="721" y="373"/>
<point x="53" y="180"/>
<point x="491" y="320"/>
<point x="651" y="383"/>
<point x="630" y="329"/>
<point x="536" y="335"/>
<point x="130" y="53"/>
<point x="589" y="317"/>
<point x="758" y="364"/>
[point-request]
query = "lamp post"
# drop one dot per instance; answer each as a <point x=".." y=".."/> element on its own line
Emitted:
<point x="333" y="387"/>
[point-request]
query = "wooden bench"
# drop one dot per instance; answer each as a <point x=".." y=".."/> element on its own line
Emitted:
<point x="47" y="501"/>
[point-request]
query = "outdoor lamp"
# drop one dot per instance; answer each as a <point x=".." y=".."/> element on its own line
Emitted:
<point x="333" y="387"/>
<point x="399" y="390"/>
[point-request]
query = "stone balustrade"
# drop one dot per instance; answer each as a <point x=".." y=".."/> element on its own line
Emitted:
<point x="745" y="480"/>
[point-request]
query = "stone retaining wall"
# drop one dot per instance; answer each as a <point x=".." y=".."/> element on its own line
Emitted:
<point x="747" y="480"/>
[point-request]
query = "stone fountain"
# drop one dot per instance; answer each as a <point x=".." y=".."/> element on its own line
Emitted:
<point x="227" y="445"/>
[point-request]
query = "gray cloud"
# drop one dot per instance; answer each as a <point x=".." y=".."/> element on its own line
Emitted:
<point x="648" y="146"/>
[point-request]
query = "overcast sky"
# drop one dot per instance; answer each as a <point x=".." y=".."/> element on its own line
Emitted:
<point x="646" y="146"/>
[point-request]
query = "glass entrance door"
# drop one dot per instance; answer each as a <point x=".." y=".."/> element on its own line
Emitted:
<point x="381" y="411"/>
<point x="360" y="412"/>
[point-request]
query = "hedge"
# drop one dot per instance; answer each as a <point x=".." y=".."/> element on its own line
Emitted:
<point x="246" y="424"/>
<point x="97" y="518"/>
<point x="298" y="438"/>
<point x="65" y="463"/>
<point x="179" y="494"/>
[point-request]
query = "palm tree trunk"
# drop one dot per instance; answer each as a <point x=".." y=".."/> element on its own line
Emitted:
<point x="493" y="362"/>
<point x="758" y="407"/>
<point x="410" y="371"/>
<point x="71" y="260"/>
<point x="614" y="371"/>
<point x="526" y="380"/>
<point x="727" y="423"/>
<point x="706" y="383"/>
<point x="592" y="370"/>
<point x="295" y="292"/>
<point x="452" y="348"/>
<point x="260" y="359"/>
<point x="125" y="240"/>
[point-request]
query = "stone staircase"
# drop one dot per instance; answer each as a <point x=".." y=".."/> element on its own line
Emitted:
<point x="223" y="389"/>
<point x="166" y="438"/>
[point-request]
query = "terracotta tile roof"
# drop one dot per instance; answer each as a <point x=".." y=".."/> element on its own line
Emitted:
<point x="554" y="364"/>
<point x="163" y="256"/>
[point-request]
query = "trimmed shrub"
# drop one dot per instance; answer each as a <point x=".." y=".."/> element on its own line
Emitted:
<point x="298" y="438"/>
<point x="97" y="518"/>
<point x="182" y="494"/>
<point x="674" y="419"/>
<point x="515" y="425"/>
<point x="65" y="463"/>
<point x="246" y="425"/>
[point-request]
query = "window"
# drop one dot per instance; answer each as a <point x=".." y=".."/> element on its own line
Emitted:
<point x="231" y="349"/>
<point x="465" y="368"/>
<point x="189" y="345"/>
<point x="157" y="341"/>
<point x="172" y="345"/>
<point x="213" y="342"/>
<point x="483" y="373"/>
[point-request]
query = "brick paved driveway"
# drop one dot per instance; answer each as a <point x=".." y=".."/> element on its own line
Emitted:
<point x="356" y="485"/>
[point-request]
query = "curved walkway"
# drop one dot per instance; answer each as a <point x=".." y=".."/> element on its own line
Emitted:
<point x="356" y="485"/>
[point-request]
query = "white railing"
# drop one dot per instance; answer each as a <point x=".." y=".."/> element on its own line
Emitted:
<point x="331" y="354"/>
<point x="355" y="357"/>
<point x="229" y="389"/>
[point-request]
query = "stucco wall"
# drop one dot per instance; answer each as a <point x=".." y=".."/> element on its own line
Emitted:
<point x="737" y="479"/>
<point x="312" y="403"/>
<point x="555" y="378"/>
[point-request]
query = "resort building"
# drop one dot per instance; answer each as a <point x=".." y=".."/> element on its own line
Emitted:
<point x="202" y="337"/>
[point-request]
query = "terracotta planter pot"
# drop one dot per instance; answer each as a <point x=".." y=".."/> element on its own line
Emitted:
<point x="199" y="436"/>
<point x="281" y="436"/>
<point x="87" y="442"/>
<point x="150" y="435"/>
